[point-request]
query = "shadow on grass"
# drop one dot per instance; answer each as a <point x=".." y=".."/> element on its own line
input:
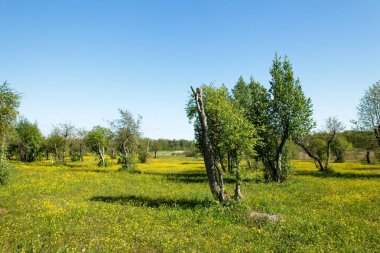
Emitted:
<point x="152" y="202"/>
<point x="92" y="170"/>
<point x="334" y="174"/>
<point x="202" y="178"/>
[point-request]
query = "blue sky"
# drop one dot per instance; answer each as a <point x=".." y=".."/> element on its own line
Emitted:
<point x="79" y="61"/>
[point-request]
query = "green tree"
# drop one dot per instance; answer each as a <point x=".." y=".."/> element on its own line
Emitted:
<point x="228" y="130"/>
<point x="127" y="135"/>
<point x="333" y="126"/>
<point x="362" y="140"/>
<point x="9" y="103"/>
<point x="29" y="141"/>
<point x="340" y="146"/>
<point x="54" y="144"/>
<point x="290" y="115"/>
<point x="368" y="111"/>
<point x="318" y="146"/>
<point x="254" y="100"/>
<point x="98" y="140"/>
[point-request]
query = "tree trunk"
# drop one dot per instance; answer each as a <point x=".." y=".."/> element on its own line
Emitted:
<point x="367" y="156"/>
<point x="80" y="152"/>
<point x="56" y="152"/>
<point x="155" y="154"/>
<point x="377" y="134"/>
<point x="64" y="152"/>
<point x="280" y="150"/>
<point x="213" y="172"/>
<point x="238" y="194"/>
<point x="328" y="150"/>
<point x="2" y="149"/>
<point x="311" y="155"/>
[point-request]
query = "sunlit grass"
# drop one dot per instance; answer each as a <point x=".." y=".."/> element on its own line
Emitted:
<point x="168" y="207"/>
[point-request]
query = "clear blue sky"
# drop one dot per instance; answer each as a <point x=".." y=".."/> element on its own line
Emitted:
<point x="79" y="61"/>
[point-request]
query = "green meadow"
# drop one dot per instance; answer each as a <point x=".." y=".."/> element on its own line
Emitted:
<point x="166" y="206"/>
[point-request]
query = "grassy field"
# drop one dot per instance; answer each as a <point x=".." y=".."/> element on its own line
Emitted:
<point x="83" y="208"/>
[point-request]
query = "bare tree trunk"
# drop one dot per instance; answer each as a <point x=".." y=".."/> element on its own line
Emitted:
<point x="213" y="172"/>
<point x="377" y="134"/>
<point x="368" y="156"/>
<point x="155" y="154"/>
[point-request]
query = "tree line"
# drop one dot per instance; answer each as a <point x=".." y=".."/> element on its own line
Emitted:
<point x="23" y="140"/>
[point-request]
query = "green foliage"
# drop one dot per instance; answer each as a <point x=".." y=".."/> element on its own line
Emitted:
<point x="98" y="140"/>
<point x="290" y="109"/>
<point x="9" y="103"/>
<point x="28" y="142"/>
<point x="5" y="173"/>
<point x="339" y="147"/>
<point x="369" y="109"/>
<point x="127" y="136"/>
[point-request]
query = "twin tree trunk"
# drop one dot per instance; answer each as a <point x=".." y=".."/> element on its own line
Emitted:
<point x="214" y="174"/>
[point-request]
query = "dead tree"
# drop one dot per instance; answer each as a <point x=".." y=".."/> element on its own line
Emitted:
<point x="210" y="159"/>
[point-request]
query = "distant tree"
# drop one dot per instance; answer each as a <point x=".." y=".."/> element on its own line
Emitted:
<point x="54" y="144"/>
<point x="333" y="126"/>
<point x="290" y="115"/>
<point x="368" y="111"/>
<point x="29" y="141"/>
<point x="340" y="146"/>
<point x="9" y="103"/>
<point x="98" y="140"/>
<point x="318" y="145"/>
<point x="77" y="145"/>
<point x="127" y="134"/>
<point x="67" y="131"/>
<point x="362" y="140"/>
<point x="155" y="147"/>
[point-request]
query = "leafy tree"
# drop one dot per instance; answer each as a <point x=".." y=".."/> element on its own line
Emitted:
<point x="368" y="111"/>
<point x="318" y="145"/>
<point x="98" y="140"/>
<point x="54" y="144"/>
<point x="362" y="140"/>
<point x="29" y="140"/>
<point x="228" y="130"/>
<point x="9" y="103"/>
<point x="127" y="134"/>
<point x="340" y="146"/>
<point x="253" y="99"/>
<point x="67" y="131"/>
<point x="77" y="145"/>
<point x="333" y="126"/>
<point x="196" y="112"/>
<point x="290" y="115"/>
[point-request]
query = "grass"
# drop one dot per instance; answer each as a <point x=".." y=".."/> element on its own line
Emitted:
<point x="83" y="208"/>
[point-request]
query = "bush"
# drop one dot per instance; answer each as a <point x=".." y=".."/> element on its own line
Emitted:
<point x="5" y="174"/>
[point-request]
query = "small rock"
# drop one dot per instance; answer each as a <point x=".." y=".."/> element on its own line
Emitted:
<point x="264" y="216"/>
